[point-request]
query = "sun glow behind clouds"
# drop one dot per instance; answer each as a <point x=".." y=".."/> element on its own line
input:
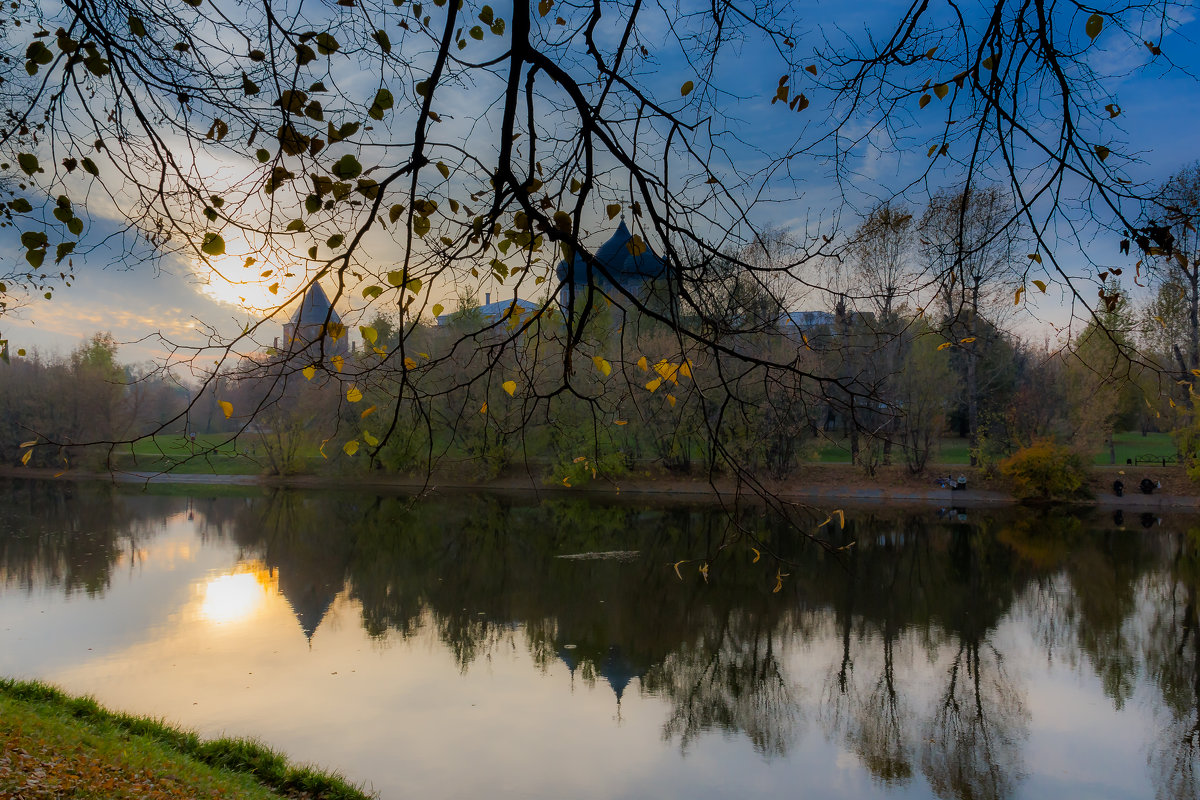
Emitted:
<point x="239" y="595"/>
<point x="230" y="281"/>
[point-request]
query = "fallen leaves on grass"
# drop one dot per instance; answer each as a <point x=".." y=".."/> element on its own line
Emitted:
<point x="51" y="773"/>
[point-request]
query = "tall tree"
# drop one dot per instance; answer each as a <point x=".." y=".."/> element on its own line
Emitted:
<point x="970" y="240"/>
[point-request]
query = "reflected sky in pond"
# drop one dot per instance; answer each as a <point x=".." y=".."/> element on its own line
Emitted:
<point x="448" y="649"/>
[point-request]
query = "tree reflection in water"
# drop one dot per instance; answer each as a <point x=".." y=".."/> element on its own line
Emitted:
<point x="911" y="674"/>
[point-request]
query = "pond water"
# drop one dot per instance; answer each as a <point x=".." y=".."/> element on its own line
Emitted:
<point x="471" y="645"/>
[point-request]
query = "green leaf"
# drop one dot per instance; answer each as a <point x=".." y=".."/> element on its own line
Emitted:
<point x="396" y="277"/>
<point x="486" y="15"/>
<point x="326" y="44"/>
<point x="381" y="39"/>
<point x="62" y="251"/>
<point x="437" y="309"/>
<point x="136" y="27"/>
<point x="335" y="241"/>
<point x="347" y="168"/>
<point x="312" y="203"/>
<point x="941" y="90"/>
<point x="421" y="226"/>
<point x="371" y="292"/>
<point x="1095" y="23"/>
<point x="414" y="285"/>
<point x="28" y="163"/>
<point x="1101" y="152"/>
<point x="75" y="226"/>
<point x="262" y="155"/>
<point x="305" y="54"/>
<point x="21" y="206"/>
<point x="383" y="102"/>
<point x="476" y="33"/>
<point x="213" y="245"/>
<point x="686" y="89"/>
<point x="32" y="240"/>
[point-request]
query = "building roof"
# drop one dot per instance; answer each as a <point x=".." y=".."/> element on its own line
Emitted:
<point x="617" y="260"/>
<point x="491" y="313"/>
<point x="315" y="309"/>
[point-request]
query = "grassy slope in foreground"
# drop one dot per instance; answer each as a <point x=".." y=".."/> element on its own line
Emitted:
<point x="53" y="745"/>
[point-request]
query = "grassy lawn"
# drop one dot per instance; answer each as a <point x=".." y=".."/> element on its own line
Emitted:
<point x="59" y="746"/>
<point x="952" y="450"/>
<point x="1132" y="444"/>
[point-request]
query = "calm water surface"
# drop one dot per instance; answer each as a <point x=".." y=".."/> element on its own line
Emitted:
<point x="469" y="646"/>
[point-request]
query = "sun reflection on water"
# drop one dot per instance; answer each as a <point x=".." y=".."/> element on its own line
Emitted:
<point x="237" y="595"/>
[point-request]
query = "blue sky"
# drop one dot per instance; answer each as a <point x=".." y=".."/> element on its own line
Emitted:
<point x="136" y="300"/>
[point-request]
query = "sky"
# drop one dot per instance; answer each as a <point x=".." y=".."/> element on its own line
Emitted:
<point x="136" y="299"/>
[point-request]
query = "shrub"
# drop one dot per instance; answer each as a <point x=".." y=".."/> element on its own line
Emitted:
<point x="1046" y="471"/>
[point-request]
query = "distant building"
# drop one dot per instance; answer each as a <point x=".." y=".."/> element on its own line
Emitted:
<point x="313" y="320"/>
<point x="635" y="272"/>
<point x="489" y="313"/>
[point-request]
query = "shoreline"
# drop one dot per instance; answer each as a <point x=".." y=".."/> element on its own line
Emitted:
<point x="830" y="483"/>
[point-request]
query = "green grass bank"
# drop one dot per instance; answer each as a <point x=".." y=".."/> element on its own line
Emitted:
<point x="55" y="745"/>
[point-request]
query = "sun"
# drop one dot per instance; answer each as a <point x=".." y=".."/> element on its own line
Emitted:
<point x="237" y="595"/>
<point x="255" y="287"/>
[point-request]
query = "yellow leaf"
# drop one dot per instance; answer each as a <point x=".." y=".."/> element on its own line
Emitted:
<point x="226" y="408"/>
<point x="321" y="449"/>
<point x="686" y="89"/>
<point x="636" y="246"/>
<point x="409" y="363"/>
<point x="510" y="387"/>
<point x="841" y="518"/>
<point x="1169" y="400"/>
<point x="1041" y="286"/>
<point x="353" y="394"/>
<point x="602" y="365"/>
<point x="1017" y="296"/>
<point x="671" y="400"/>
<point x="613" y="210"/>
<point x="757" y="555"/>
<point x="309" y="371"/>
<point x="437" y="309"/>
<point x="566" y="483"/>
<point x="30" y="443"/>
<point x="367" y="412"/>
<point x="350" y="447"/>
<point x="369" y="439"/>
<point x="704" y="571"/>
<point x="654" y="384"/>
<point x="677" y="573"/>
<point x="966" y="340"/>
<point x="337" y="362"/>
<point x="369" y="335"/>
<point x="685" y="369"/>
<point x="644" y="364"/>
<point x="25" y="458"/>
<point x="1036" y="257"/>
<point x="483" y="409"/>
<point x="620" y="422"/>
<point x="944" y="345"/>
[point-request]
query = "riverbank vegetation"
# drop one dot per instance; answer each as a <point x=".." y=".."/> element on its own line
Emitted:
<point x="55" y="745"/>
